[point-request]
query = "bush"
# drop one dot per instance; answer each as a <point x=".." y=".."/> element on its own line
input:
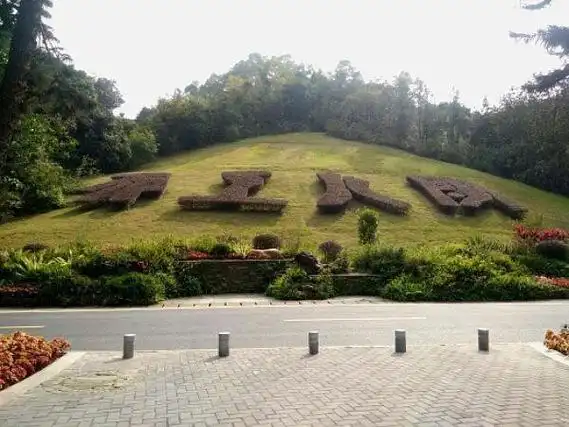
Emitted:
<point x="367" y="226"/>
<point x="220" y="250"/>
<point x="65" y="288"/>
<point x="21" y="355"/>
<point x="556" y="249"/>
<point x="171" y="289"/>
<point x="541" y="266"/>
<point x="131" y="289"/>
<point x="385" y="261"/>
<point x="341" y="265"/>
<point x="447" y="274"/>
<point x="35" y="247"/>
<point x="553" y="341"/>
<point x="295" y="284"/>
<point x="266" y="241"/>
<point x="330" y="250"/>
<point x="187" y="284"/>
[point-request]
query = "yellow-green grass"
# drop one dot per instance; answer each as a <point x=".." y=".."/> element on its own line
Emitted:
<point x="293" y="159"/>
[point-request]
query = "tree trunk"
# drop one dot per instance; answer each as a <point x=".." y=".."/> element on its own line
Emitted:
<point x="12" y="88"/>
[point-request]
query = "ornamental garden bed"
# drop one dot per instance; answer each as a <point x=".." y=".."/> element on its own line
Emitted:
<point x="22" y="355"/>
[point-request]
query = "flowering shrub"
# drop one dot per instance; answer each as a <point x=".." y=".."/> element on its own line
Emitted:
<point x="556" y="281"/>
<point x="558" y="341"/>
<point x="21" y="355"/>
<point x="532" y="236"/>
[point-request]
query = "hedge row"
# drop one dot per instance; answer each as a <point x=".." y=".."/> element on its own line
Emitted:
<point x="236" y="196"/>
<point x="339" y="191"/>
<point x="361" y="192"/>
<point x="336" y="196"/>
<point x="451" y="196"/>
<point x="123" y="191"/>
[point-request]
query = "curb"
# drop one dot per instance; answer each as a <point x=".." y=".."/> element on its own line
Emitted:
<point x="552" y="354"/>
<point x="39" y="377"/>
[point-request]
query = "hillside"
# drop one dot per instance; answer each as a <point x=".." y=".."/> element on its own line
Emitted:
<point x="293" y="159"/>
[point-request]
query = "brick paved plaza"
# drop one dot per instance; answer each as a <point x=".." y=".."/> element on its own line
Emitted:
<point x="438" y="385"/>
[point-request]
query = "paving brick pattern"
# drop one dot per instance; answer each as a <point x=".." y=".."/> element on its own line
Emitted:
<point x="429" y="386"/>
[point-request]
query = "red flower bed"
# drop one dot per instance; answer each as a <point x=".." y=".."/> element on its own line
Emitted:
<point x="558" y="341"/>
<point x="556" y="281"/>
<point x="535" y="235"/>
<point x="21" y="355"/>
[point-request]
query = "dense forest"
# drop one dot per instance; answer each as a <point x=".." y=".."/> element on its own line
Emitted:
<point x="57" y="123"/>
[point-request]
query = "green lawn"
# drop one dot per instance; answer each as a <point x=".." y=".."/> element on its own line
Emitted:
<point x="293" y="159"/>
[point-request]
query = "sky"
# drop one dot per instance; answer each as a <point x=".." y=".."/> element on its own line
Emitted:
<point x="152" y="47"/>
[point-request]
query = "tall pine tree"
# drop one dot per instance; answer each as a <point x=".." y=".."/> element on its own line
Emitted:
<point x="556" y="40"/>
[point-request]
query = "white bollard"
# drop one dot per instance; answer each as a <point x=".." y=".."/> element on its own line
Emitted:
<point x="128" y="346"/>
<point x="223" y="345"/>
<point x="483" y="339"/>
<point x="400" y="341"/>
<point x="313" y="342"/>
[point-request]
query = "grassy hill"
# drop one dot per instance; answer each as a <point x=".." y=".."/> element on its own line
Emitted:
<point x="293" y="159"/>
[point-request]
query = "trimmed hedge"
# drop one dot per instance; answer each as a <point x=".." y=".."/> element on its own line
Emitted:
<point x="336" y="196"/>
<point x="240" y="185"/>
<point x="231" y="276"/>
<point x="360" y="191"/>
<point x="124" y="190"/>
<point x="451" y="196"/>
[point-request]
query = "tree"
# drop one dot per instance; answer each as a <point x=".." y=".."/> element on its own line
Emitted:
<point x="555" y="39"/>
<point x="28" y="30"/>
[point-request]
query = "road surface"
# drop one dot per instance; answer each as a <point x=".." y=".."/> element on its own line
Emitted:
<point x="287" y="326"/>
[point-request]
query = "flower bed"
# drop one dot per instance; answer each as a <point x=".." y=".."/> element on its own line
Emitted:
<point x="558" y="341"/>
<point x="22" y="355"/>
<point x="556" y="281"/>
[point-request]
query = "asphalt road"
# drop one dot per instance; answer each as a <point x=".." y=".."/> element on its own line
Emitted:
<point x="287" y="326"/>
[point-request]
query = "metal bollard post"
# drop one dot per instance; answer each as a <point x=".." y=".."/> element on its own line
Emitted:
<point x="400" y="341"/>
<point x="313" y="342"/>
<point x="223" y="346"/>
<point x="128" y="346"/>
<point x="483" y="339"/>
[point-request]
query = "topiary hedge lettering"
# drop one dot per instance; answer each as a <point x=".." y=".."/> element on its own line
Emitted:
<point x="340" y="191"/>
<point x="453" y="196"/>
<point x="124" y="190"/>
<point x="237" y="195"/>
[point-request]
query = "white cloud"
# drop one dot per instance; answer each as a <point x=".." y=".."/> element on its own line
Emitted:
<point x="151" y="47"/>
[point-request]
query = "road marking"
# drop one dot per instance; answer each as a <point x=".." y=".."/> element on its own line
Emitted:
<point x="354" y="319"/>
<point x="23" y="327"/>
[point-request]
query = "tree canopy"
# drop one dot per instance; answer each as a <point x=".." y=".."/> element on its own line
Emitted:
<point x="555" y="39"/>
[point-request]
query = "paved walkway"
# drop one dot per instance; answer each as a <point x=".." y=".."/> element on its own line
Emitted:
<point x="512" y="385"/>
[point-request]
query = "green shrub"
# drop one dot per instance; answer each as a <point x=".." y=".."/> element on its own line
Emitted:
<point x="35" y="247"/>
<point x="171" y="289"/>
<point x="266" y="241"/>
<point x="64" y="288"/>
<point x="188" y="285"/>
<point x="541" y="266"/>
<point x="385" y="261"/>
<point x="367" y="226"/>
<point x="330" y="250"/>
<point x="406" y="288"/>
<point x="131" y="289"/>
<point x="340" y="265"/>
<point x="220" y="250"/>
<point x="203" y="244"/>
<point x="295" y="284"/>
<point x="555" y="249"/>
<point x="157" y="256"/>
<point x="448" y="275"/>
